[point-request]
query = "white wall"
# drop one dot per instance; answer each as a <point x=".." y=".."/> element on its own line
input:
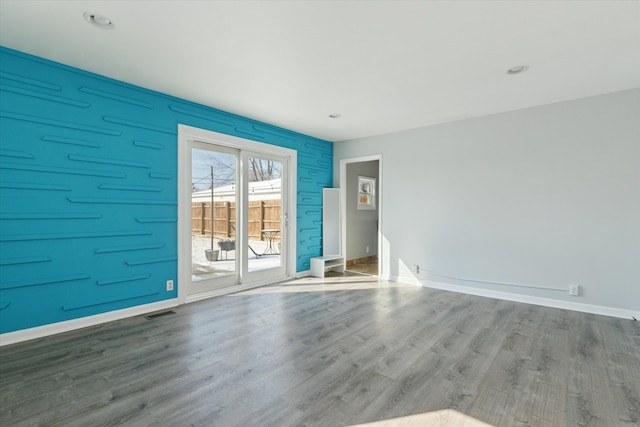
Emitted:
<point x="362" y="225"/>
<point x="540" y="197"/>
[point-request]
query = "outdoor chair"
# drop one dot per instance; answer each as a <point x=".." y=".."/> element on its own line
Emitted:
<point x="227" y="245"/>
<point x="234" y="242"/>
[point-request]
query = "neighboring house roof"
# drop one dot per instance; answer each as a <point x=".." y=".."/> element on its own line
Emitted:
<point x="259" y="190"/>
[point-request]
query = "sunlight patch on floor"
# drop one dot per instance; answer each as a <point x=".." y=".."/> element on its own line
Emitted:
<point x="443" y="418"/>
<point x="329" y="283"/>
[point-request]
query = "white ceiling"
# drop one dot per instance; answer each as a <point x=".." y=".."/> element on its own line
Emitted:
<point x="384" y="65"/>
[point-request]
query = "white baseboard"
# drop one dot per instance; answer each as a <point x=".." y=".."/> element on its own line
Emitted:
<point x="404" y="279"/>
<point x="83" y="322"/>
<point x="304" y="273"/>
<point x="70" y="325"/>
<point x="508" y="296"/>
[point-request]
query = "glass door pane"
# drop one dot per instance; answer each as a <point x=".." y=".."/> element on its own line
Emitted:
<point x="214" y="199"/>
<point x="265" y="213"/>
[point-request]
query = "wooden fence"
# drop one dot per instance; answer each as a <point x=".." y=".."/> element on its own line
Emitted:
<point x="263" y="215"/>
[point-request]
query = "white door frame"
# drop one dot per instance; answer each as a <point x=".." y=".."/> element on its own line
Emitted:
<point x="189" y="133"/>
<point x="343" y="207"/>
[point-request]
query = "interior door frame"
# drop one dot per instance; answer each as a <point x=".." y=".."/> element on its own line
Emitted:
<point x="383" y="247"/>
<point x="190" y="133"/>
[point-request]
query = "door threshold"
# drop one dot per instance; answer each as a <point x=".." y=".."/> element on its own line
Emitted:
<point x="233" y="289"/>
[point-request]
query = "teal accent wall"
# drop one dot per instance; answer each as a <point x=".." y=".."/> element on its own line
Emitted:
<point x="88" y="190"/>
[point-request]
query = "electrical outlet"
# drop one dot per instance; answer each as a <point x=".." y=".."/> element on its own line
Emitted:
<point x="366" y="249"/>
<point x="416" y="268"/>
<point x="574" y="289"/>
<point x="169" y="285"/>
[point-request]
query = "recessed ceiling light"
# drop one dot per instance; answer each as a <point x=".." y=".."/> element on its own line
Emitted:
<point x="335" y="115"/>
<point x="99" y="21"/>
<point x="518" y="69"/>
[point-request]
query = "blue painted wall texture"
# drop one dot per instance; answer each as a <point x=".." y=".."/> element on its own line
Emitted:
<point x="88" y="190"/>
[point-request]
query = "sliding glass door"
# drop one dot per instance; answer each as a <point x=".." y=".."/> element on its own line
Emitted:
<point x="264" y="213"/>
<point x="238" y="216"/>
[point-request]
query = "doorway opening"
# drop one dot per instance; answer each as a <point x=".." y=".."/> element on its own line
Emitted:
<point x="360" y="181"/>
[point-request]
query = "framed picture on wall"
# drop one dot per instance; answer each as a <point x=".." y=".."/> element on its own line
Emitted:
<point x="366" y="193"/>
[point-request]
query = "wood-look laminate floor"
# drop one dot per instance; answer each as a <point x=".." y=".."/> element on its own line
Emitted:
<point x="369" y="266"/>
<point x="332" y="352"/>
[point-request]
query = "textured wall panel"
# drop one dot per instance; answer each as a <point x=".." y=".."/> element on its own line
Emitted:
<point x="88" y="190"/>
